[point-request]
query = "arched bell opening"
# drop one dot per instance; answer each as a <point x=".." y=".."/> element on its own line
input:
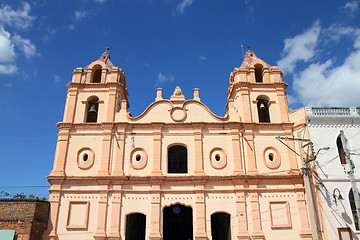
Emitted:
<point x="135" y="226"/>
<point x="177" y="222"/>
<point x="92" y="107"/>
<point x="96" y="74"/>
<point x="258" y="73"/>
<point x="220" y="226"/>
<point x="263" y="109"/>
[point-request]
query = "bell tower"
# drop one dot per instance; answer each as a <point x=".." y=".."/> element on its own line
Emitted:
<point x="94" y="96"/>
<point x="258" y="91"/>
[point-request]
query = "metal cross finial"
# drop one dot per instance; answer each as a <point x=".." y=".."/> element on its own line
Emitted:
<point x="248" y="47"/>
<point x="107" y="49"/>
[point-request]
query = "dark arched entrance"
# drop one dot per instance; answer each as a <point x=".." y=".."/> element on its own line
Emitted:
<point x="220" y="226"/>
<point x="135" y="226"/>
<point x="177" y="223"/>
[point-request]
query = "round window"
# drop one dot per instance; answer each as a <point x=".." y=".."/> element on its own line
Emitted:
<point x="271" y="158"/>
<point x="218" y="158"/>
<point x="138" y="158"/>
<point x="86" y="158"/>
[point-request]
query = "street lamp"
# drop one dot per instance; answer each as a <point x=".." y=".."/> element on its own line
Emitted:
<point x="338" y="197"/>
<point x="320" y="149"/>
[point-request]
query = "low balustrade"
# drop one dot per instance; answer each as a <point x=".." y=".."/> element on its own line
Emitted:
<point x="333" y="111"/>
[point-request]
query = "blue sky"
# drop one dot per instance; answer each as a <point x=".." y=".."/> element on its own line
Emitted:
<point x="160" y="43"/>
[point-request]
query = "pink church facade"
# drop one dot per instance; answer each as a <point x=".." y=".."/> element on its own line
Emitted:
<point x="177" y="171"/>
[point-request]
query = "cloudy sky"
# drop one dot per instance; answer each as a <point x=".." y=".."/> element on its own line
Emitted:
<point x="160" y="43"/>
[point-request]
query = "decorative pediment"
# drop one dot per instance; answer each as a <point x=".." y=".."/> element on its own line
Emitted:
<point x="186" y="112"/>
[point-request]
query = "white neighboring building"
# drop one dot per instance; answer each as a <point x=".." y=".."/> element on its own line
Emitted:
<point x="324" y="126"/>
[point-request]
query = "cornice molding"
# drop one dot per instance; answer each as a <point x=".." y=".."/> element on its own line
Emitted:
<point x="63" y="126"/>
<point x="105" y="180"/>
<point x="125" y="125"/>
<point x="72" y="85"/>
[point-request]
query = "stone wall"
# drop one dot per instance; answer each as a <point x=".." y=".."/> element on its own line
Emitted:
<point x="28" y="217"/>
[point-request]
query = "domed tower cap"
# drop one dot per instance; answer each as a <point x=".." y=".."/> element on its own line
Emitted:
<point x="105" y="58"/>
<point x="250" y="57"/>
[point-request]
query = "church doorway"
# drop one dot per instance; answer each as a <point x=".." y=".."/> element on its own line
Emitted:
<point x="220" y="226"/>
<point x="135" y="226"/>
<point x="177" y="223"/>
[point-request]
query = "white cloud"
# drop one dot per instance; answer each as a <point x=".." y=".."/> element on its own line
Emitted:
<point x="336" y="31"/>
<point x="162" y="78"/>
<point x="184" y="4"/>
<point x="299" y="48"/>
<point x="25" y="46"/>
<point x="7" y="53"/>
<point x="50" y="33"/>
<point x="327" y="84"/>
<point x="250" y="5"/>
<point x="57" y="80"/>
<point x="9" y="45"/>
<point x="80" y="15"/>
<point x="203" y="58"/>
<point x="71" y="27"/>
<point x="19" y="19"/>
<point x="351" y="7"/>
<point x="7" y="69"/>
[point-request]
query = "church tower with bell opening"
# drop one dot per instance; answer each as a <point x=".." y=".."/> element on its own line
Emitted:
<point x="177" y="171"/>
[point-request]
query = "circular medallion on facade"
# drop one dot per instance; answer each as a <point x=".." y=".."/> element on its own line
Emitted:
<point x="271" y="158"/>
<point x="178" y="114"/>
<point x="138" y="158"/>
<point x="85" y="158"/>
<point x="218" y="158"/>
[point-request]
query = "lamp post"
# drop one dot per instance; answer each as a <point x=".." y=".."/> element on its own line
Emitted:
<point x="338" y="197"/>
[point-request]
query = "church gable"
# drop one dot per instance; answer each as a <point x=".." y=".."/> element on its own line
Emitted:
<point x="178" y="110"/>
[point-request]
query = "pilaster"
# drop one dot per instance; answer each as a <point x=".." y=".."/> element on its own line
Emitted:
<point x="200" y="228"/>
<point x="106" y="149"/>
<point x="292" y="157"/>
<point x="157" y="142"/>
<point x="155" y="217"/>
<point x="249" y="148"/>
<point x="115" y="223"/>
<point x="235" y="140"/>
<point x="257" y="232"/>
<point x="119" y="151"/>
<point x="61" y="150"/>
<point x="54" y="199"/>
<point x="199" y="162"/>
<point x="245" y="107"/>
<point x="70" y="106"/>
<point x="242" y="221"/>
<point x="305" y="231"/>
<point x="100" y="233"/>
<point x="110" y="116"/>
<point x="282" y="103"/>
